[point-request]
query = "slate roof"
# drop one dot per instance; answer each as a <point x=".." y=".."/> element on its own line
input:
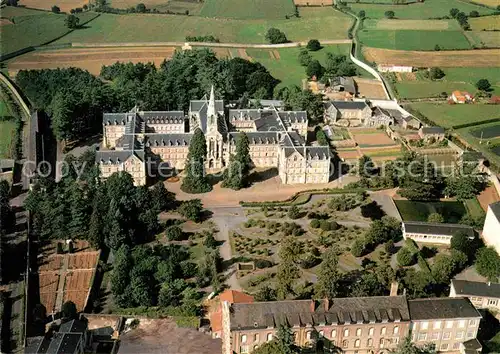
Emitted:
<point x="197" y="105"/>
<point x="163" y="117"/>
<point x="293" y="139"/>
<point x="73" y="326"/>
<point x="269" y="122"/>
<point x="174" y="139"/>
<point x="347" y="104"/>
<point x="245" y="114"/>
<point x="257" y="137"/>
<point x="472" y="346"/>
<point x="117" y="156"/>
<point x="36" y="345"/>
<point x="304" y="312"/>
<point x="433" y="130"/>
<point x="474" y="288"/>
<point x="116" y="118"/>
<point x="347" y="82"/>
<point x="311" y="152"/>
<point x="495" y="208"/>
<point x="441" y="308"/>
<point x="64" y="343"/>
<point x="293" y="117"/>
<point x="419" y="227"/>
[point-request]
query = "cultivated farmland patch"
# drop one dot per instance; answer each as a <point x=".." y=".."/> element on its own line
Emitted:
<point x="452" y="58"/>
<point x="425" y="25"/>
<point x="64" y="5"/>
<point x="485" y="23"/>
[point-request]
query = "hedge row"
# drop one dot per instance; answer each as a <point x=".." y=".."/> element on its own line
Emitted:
<point x="473" y="124"/>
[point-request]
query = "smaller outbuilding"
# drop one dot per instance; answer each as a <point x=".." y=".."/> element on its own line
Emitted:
<point x="434" y="232"/>
<point x="432" y="133"/>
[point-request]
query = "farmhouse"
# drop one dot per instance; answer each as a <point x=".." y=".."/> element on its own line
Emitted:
<point x="385" y="68"/>
<point x="356" y="325"/>
<point x="433" y="232"/>
<point x="461" y="97"/>
<point x="277" y="139"/>
<point x="482" y="295"/>
<point x="343" y="84"/>
<point x="431" y="133"/>
<point x="491" y="229"/>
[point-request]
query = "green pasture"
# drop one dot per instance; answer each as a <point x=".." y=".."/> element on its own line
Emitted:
<point x="485" y="23"/>
<point x="414" y="39"/>
<point x="452" y="212"/>
<point x="462" y="79"/>
<point x="484" y="39"/>
<point x="33" y="28"/>
<point x="287" y="68"/>
<point x="447" y="115"/>
<point x="487" y="146"/>
<point x="421" y="10"/>
<point x="423" y="25"/>
<point x="239" y="9"/>
<point x="109" y="28"/>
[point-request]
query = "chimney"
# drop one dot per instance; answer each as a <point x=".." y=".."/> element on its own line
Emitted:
<point x="313" y="305"/>
<point x="394" y="288"/>
<point x="327" y="304"/>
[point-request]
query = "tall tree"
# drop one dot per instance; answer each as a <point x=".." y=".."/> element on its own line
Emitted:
<point x="488" y="263"/>
<point x="288" y="271"/>
<point x="196" y="180"/>
<point x="235" y="176"/>
<point x="328" y="276"/>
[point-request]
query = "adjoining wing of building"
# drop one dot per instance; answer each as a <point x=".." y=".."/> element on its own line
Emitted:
<point x="353" y="325"/>
<point x="277" y="139"/>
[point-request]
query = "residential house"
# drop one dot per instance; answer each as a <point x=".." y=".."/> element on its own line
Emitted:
<point x="461" y="97"/>
<point x="429" y="134"/>
<point x="481" y="295"/>
<point x="134" y="140"/>
<point x="491" y="228"/>
<point x="446" y="322"/>
<point x="380" y="117"/>
<point x="433" y="232"/>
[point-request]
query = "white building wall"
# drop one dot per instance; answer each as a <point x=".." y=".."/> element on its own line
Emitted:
<point x="491" y="230"/>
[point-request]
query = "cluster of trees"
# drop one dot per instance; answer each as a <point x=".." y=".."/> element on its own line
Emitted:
<point x="110" y="214"/>
<point x="6" y="213"/>
<point x="75" y="99"/>
<point x="72" y="21"/>
<point x="380" y="231"/>
<point x="275" y="36"/>
<point x="196" y="180"/>
<point x="236" y="174"/>
<point x="462" y="18"/>
<point x="335" y="65"/>
<point x="434" y="73"/>
<point x="419" y="179"/>
<point x="208" y="38"/>
<point x="297" y="99"/>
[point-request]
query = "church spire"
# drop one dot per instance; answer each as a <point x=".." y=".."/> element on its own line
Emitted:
<point x="211" y="103"/>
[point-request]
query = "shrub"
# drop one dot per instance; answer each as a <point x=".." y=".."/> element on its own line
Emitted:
<point x="313" y="45"/>
<point x="315" y="223"/>
<point x="389" y="14"/>
<point x="435" y="218"/>
<point x="173" y="233"/>
<point x="483" y="85"/>
<point x="309" y="261"/>
<point x="263" y="263"/>
<point x="358" y="248"/>
<point x="293" y="212"/>
<point x="405" y="257"/>
<point x="56" y="9"/>
<point x="325" y="225"/>
<point x="436" y="73"/>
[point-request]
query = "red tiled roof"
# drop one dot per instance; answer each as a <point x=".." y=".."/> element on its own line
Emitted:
<point x="235" y="297"/>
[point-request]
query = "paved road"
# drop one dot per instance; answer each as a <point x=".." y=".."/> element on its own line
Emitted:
<point x="386" y="203"/>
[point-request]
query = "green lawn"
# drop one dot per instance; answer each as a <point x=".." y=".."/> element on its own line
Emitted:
<point x="413" y="39"/>
<point x="446" y="115"/>
<point x="452" y="212"/>
<point x="240" y="9"/>
<point x="474" y="208"/>
<point x="32" y="27"/>
<point x="110" y="28"/>
<point x="422" y="10"/>
<point x="7" y="129"/>
<point x="462" y="79"/>
<point x="287" y="68"/>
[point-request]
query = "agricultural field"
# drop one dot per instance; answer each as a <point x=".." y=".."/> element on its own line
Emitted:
<point x="452" y="58"/>
<point x="421" y="25"/>
<point x="109" y="28"/>
<point x="177" y="6"/>
<point x="7" y="129"/>
<point x="414" y="85"/>
<point x="484" y="39"/>
<point x="64" y="5"/>
<point x="32" y="28"/>
<point x="490" y="3"/>
<point x="414" y="39"/>
<point x="239" y="9"/>
<point x="419" y="11"/>
<point x="447" y="115"/>
<point x="488" y="23"/>
<point x="452" y="212"/>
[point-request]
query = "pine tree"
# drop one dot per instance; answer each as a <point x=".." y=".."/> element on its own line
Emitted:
<point x="95" y="235"/>
<point x="236" y="174"/>
<point x="195" y="180"/>
<point x="328" y="276"/>
<point x="79" y="218"/>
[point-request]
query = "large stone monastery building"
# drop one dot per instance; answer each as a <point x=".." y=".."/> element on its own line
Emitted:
<point x="277" y="139"/>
